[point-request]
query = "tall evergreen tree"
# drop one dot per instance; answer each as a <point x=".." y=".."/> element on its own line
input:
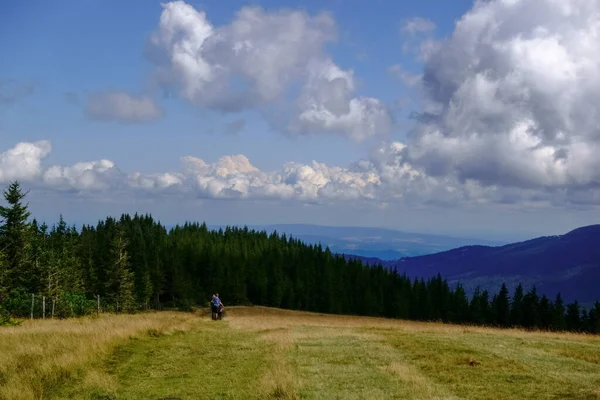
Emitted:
<point x="4" y="288"/>
<point x="502" y="307"/>
<point x="594" y="318"/>
<point x="15" y="237"/>
<point x="39" y="257"/>
<point x="479" y="307"/>
<point x="121" y="278"/>
<point x="546" y="313"/>
<point x="461" y="303"/>
<point x="558" y="320"/>
<point x="573" y="316"/>
<point x="516" y="307"/>
<point x="531" y="317"/>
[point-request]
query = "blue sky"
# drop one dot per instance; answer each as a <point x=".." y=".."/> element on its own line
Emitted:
<point x="85" y="81"/>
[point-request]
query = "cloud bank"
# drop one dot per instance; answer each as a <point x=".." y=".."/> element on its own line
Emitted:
<point x="508" y="99"/>
<point x="385" y="177"/>
<point x="256" y="61"/>
<point x="512" y="97"/>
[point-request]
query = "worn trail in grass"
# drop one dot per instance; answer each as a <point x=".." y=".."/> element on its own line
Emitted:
<point x="261" y="353"/>
<point x="208" y="362"/>
<point x="265" y="353"/>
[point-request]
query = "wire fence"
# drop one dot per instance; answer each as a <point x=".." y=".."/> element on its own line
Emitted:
<point x="35" y="306"/>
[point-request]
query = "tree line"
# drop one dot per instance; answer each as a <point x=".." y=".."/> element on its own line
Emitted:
<point x="134" y="263"/>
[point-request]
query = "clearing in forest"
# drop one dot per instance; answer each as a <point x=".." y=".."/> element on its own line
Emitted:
<point x="258" y="352"/>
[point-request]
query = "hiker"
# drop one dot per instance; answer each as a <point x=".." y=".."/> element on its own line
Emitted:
<point x="216" y="306"/>
<point x="220" y="307"/>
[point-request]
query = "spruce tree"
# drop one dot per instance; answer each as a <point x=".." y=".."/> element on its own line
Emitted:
<point x="121" y="285"/>
<point x="479" y="307"/>
<point x="573" y="316"/>
<point x="3" y="277"/>
<point x="516" y="307"/>
<point x="485" y="306"/>
<point x="558" y="320"/>
<point x="584" y="321"/>
<point x="15" y="236"/>
<point x="594" y="318"/>
<point x="502" y="311"/>
<point x="546" y="312"/>
<point x="462" y="313"/>
<point x="531" y="317"/>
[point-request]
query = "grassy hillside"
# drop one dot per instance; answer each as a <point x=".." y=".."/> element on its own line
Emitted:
<point x="268" y="353"/>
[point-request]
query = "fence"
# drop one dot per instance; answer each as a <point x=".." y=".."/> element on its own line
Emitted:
<point x="34" y="306"/>
<point x="40" y="306"/>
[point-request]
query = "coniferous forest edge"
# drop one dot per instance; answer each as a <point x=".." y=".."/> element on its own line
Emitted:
<point x="134" y="263"/>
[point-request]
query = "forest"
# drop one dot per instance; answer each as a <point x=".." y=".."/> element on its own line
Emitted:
<point x="133" y="263"/>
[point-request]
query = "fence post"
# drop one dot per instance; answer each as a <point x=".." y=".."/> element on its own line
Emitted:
<point x="32" y="301"/>
<point x="53" y="301"/>
<point x="43" y="307"/>
<point x="98" y="304"/>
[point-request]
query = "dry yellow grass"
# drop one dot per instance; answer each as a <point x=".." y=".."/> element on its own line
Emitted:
<point x="265" y="318"/>
<point x="39" y="355"/>
<point x="264" y="353"/>
<point x="423" y="360"/>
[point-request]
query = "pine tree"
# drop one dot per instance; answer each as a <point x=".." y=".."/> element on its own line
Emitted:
<point x="558" y="320"/>
<point x="502" y="307"/>
<point x="594" y="318"/>
<point x="15" y="238"/>
<point x="479" y="307"/>
<point x="4" y="288"/>
<point x="63" y="269"/>
<point x="87" y="259"/>
<point x="516" y="307"/>
<point x="546" y="312"/>
<point x="121" y="284"/>
<point x="584" y="321"/>
<point x="461" y="302"/>
<point x="573" y="316"/>
<point x="531" y="316"/>
<point x="72" y="266"/>
<point x="138" y="252"/>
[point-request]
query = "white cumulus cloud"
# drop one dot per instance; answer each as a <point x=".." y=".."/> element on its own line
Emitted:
<point x="256" y="60"/>
<point x="24" y="161"/>
<point x="511" y="99"/>
<point x="386" y="176"/>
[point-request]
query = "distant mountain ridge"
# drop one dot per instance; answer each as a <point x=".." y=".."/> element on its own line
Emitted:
<point x="568" y="263"/>
<point x="385" y="244"/>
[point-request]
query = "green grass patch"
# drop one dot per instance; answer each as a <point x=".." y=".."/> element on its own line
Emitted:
<point x="272" y="354"/>
<point x="209" y="362"/>
<point x="352" y="367"/>
<point x="484" y="366"/>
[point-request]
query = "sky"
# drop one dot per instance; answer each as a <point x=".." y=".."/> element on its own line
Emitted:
<point x="462" y="117"/>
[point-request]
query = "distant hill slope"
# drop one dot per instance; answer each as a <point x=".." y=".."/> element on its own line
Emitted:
<point x="385" y="244"/>
<point x="568" y="263"/>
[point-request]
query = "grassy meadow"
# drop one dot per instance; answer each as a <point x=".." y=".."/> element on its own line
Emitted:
<point x="262" y="353"/>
